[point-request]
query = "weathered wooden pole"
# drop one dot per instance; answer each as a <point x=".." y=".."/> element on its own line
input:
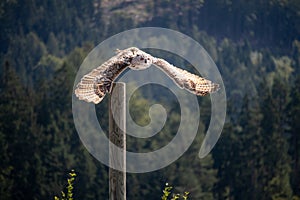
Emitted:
<point x="117" y="135"/>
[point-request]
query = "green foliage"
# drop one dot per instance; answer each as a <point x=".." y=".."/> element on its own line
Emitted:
<point x="69" y="194"/>
<point x="167" y="194"/>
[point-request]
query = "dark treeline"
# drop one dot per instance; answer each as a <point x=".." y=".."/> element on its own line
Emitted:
<point x="256" y="46"/>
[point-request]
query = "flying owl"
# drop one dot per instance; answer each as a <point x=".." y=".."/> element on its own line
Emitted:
<point x="96" y="84"/>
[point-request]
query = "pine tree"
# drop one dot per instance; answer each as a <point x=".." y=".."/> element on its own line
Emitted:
<point x="240" y="161"/>
<point x="276" y="159"/>
<point x="18" y="135"/>
<point x="294" y="123"/>
<point x="53" y="44"/>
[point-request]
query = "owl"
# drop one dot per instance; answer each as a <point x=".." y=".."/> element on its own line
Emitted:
<point x="95" y="85"/>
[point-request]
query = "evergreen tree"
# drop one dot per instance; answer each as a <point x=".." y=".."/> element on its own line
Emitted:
<point x="294" y="123"/>
<point x="276" y="158"/>
<point x="52" y="44"/>
<point x="18" y="134"/>
<point x="240" y="165"/>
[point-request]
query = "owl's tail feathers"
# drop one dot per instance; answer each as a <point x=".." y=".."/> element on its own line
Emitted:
<point x="85" y="90"/>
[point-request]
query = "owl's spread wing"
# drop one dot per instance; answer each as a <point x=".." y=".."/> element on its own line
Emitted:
<point x="193" y="83"/>
<point x="96" y="84"/>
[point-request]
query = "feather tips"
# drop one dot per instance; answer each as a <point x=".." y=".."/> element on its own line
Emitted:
<point x="186" y="80"/>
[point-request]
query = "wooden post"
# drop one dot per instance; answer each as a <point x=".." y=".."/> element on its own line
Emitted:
<point x="117" y="135"/>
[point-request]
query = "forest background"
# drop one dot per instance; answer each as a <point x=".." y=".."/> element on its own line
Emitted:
<point x="256" y="46"/>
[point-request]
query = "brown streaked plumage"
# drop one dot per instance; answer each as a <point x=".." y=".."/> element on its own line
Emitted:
<point x="96" y="84"/>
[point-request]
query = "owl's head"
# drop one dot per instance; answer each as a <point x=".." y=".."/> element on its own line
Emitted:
<point x="141" y="61"/>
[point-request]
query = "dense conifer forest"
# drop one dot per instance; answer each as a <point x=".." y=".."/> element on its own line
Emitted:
<point x="256" y="46"/>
